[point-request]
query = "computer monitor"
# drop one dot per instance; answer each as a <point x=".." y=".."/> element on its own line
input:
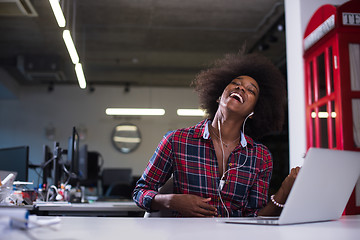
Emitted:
<point x="89" y="167"/>
<point x="73" y="152"/>
<point x="47" y="164"/>
<point x="15" y="159"/>
<point x="57" y="165"/>
<point x="83" y="163"/>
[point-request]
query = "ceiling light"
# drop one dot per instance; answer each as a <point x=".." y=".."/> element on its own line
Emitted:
<point x="135" y="111"/>
<point x="190" y="112"/>
<point x="58" y="13"/>
<point x="80" y="75"/>
<point x="70" y="46"/>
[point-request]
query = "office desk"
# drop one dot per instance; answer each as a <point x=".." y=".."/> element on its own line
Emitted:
<point x="100" y="209"/>
<point x="86" y="228"/>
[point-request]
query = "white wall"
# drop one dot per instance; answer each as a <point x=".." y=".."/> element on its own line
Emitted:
<point x="23" y="120"/>
<point x="297" y="16"/>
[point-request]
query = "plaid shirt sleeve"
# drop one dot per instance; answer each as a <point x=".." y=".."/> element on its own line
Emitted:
<point x="157" y="172"/>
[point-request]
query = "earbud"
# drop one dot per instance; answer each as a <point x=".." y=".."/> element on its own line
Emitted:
<point x="221" y="184"/>
<point x="252" y="113"/>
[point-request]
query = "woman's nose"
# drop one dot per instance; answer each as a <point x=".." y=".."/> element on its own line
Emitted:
<point x="240" y="87"/>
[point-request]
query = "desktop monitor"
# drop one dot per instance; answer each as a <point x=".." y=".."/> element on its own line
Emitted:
<point x="89" y="167"/>
<point x="66" y="170"/>
<point x="15" y="159"/>
<point x="48" y="163"/>
<point x="83" y="163"/>
<point x="73" y="152"/>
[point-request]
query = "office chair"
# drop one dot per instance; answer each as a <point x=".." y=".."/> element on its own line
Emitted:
<point x="167" y="188"/>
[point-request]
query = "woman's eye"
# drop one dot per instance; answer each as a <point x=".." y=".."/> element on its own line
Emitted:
<point x="251" y="91"/>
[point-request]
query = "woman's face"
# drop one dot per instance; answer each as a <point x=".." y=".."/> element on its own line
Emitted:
<point x="241" y="95"/>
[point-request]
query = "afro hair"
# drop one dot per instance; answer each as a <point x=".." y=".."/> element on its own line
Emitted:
<point x="270" y="107"/>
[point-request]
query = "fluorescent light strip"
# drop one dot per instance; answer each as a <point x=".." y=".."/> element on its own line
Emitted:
<point x="58" y="13"/>
<point x="70" y="46"/>
<point x="135" y="111"/>
<point x="191" y="112"/>
<point x="80" y="75"/>
<point x="69" y="42"/>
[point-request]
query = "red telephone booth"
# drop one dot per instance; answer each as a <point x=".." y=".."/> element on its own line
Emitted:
<point x="332" y="82"/>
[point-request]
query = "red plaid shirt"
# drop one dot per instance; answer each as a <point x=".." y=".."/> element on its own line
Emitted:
<point x="189" y="155"/>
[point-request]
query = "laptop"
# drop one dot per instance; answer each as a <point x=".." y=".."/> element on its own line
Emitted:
<point x="320" y="191"/>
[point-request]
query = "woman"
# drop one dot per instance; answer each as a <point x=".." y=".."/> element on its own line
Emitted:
<point x="217" y="169"/>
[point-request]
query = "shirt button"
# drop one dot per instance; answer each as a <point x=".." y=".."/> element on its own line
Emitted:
<point x="230" y="164"/>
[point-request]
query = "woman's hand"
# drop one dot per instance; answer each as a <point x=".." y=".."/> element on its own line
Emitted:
<point x="281" y="195"/>
<point x="187" y="205"/>
<point x="283" y="192"/>
<point x="289" y="181"/>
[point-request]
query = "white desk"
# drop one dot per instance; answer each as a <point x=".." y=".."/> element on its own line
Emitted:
<point x="87" y="209"/>
<point x="86" y="228"/>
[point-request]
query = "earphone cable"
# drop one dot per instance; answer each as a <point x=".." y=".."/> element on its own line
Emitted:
<point x="222" y="181"/>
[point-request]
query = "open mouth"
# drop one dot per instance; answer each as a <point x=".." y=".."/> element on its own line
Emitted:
<point x="237" y="96"/>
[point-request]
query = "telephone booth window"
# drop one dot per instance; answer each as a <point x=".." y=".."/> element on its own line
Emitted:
<point x="313" y="134"/>
<point x="323" y="116"/>
<point x="331" y="64"/>
<point x="312" y="93"/>
<point x="333" y="128"/>
<point x="356" y="120"/>
<point x="354" y="54"/>
<point x="320" y="61"/>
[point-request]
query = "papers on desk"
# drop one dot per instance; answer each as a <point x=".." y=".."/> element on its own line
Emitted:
<point x="20" y="218"/>
<point x="36" y="221"/>
<point x="52" y="204"/>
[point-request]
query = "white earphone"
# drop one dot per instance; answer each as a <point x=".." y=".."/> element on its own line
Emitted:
<point x="222" y="180"/>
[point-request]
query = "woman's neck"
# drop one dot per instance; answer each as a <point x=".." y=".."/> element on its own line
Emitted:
<point x="229" y="128"/>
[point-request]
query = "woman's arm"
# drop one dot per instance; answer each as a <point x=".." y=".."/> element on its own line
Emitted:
<point x="157" y="172"/>
<point x="281" y="195"/>
<point x="187" y="205"/>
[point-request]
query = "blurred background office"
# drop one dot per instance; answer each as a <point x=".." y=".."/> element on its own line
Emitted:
<point x="136" y="54"/>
